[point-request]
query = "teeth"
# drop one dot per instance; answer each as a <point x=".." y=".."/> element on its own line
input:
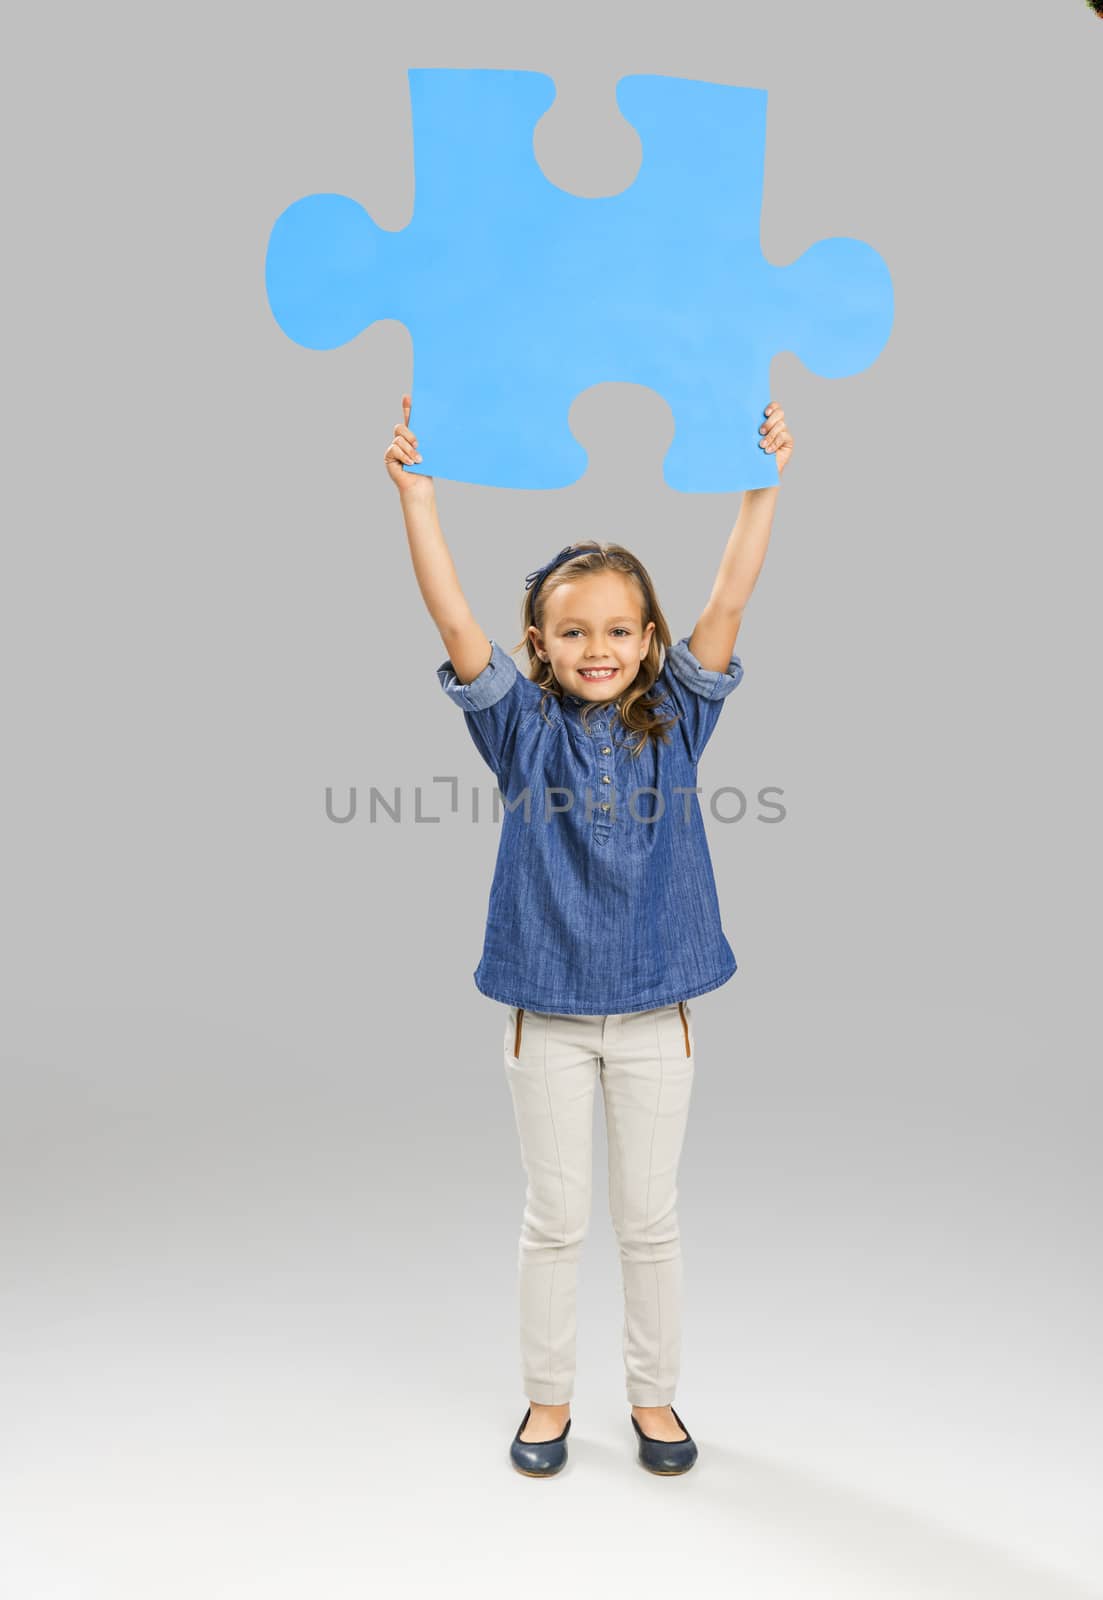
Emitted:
<point x="601" y="672"/>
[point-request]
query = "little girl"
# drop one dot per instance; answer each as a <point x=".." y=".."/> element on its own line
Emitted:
<point x="603" y="921"/>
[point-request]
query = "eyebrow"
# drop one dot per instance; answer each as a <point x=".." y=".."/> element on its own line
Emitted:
<point x="625" y="618"/>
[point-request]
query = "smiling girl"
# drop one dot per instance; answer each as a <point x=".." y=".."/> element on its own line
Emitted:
<point x="603" y="921"/>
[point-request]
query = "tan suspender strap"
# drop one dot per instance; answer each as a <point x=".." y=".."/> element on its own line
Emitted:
<point x="685" y="1024"/>
<point x="517" y="1035"/>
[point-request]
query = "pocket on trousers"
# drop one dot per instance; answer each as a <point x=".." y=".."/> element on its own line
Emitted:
<point x="515" y="1023"/>
<point x="687" y="1030"/>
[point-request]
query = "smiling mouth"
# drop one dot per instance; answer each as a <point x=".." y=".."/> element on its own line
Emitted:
<point x="597" y="673"/>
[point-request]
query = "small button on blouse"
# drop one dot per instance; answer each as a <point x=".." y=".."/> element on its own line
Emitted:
<point x="597" y="905"/>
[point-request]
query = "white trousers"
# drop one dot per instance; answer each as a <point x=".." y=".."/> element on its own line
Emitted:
<point x="644" y="1061"/>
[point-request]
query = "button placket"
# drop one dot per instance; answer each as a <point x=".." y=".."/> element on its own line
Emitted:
<point x="603" y="821"/>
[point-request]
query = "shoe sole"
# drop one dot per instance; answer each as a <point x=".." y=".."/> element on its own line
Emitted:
<point x="526" y="1474"/>
<point x="666" y="1472"/>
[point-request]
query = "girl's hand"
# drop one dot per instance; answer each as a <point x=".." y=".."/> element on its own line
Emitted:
<point x="777" y="439"/>
<point x="403" y="448"/>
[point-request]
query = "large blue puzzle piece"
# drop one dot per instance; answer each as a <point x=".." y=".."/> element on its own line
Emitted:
<point x="518" y="295"/>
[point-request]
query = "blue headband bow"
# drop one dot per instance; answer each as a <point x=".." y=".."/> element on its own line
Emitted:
<point x="536" y="578"/>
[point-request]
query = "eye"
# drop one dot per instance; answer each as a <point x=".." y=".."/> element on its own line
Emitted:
<point x="571" y="631"/>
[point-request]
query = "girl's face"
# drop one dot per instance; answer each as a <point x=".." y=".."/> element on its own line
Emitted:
<point x="594" y="623"/>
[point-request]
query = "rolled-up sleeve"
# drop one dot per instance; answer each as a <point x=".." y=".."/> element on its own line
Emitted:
<point x="698" y="692"/>
<point x="493" y="705"/>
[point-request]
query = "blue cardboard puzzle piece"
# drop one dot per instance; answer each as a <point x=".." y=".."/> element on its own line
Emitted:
<point x="519" y="295"/>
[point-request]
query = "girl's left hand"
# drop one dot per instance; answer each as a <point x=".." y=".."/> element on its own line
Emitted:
<point x="776" y="440"/>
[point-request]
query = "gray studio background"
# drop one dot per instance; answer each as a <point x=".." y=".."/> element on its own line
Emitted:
<point x="261" y="1183"/>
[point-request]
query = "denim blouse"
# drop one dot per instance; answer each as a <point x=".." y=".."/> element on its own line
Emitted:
<point x="603" y="897"/>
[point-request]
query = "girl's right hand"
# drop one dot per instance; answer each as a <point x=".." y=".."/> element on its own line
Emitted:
<point x="403" y="448"/>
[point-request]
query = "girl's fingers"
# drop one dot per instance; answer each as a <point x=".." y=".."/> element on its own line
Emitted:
<point x="401" y="451"/>
<point x="774" y="429"/>
<point x="776" y="417"/>
<point x="404" y="444"/>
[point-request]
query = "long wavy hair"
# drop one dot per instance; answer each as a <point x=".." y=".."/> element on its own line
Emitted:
<point x="637" y="705"/>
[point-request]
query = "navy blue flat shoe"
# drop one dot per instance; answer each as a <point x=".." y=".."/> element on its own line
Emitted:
<point x="538" y="1458"/>
<point x="666" y="1456"/>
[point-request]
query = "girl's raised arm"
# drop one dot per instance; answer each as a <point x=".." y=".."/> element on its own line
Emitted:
<point x="713" y="638"/>
<point x="467" y="645"/>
